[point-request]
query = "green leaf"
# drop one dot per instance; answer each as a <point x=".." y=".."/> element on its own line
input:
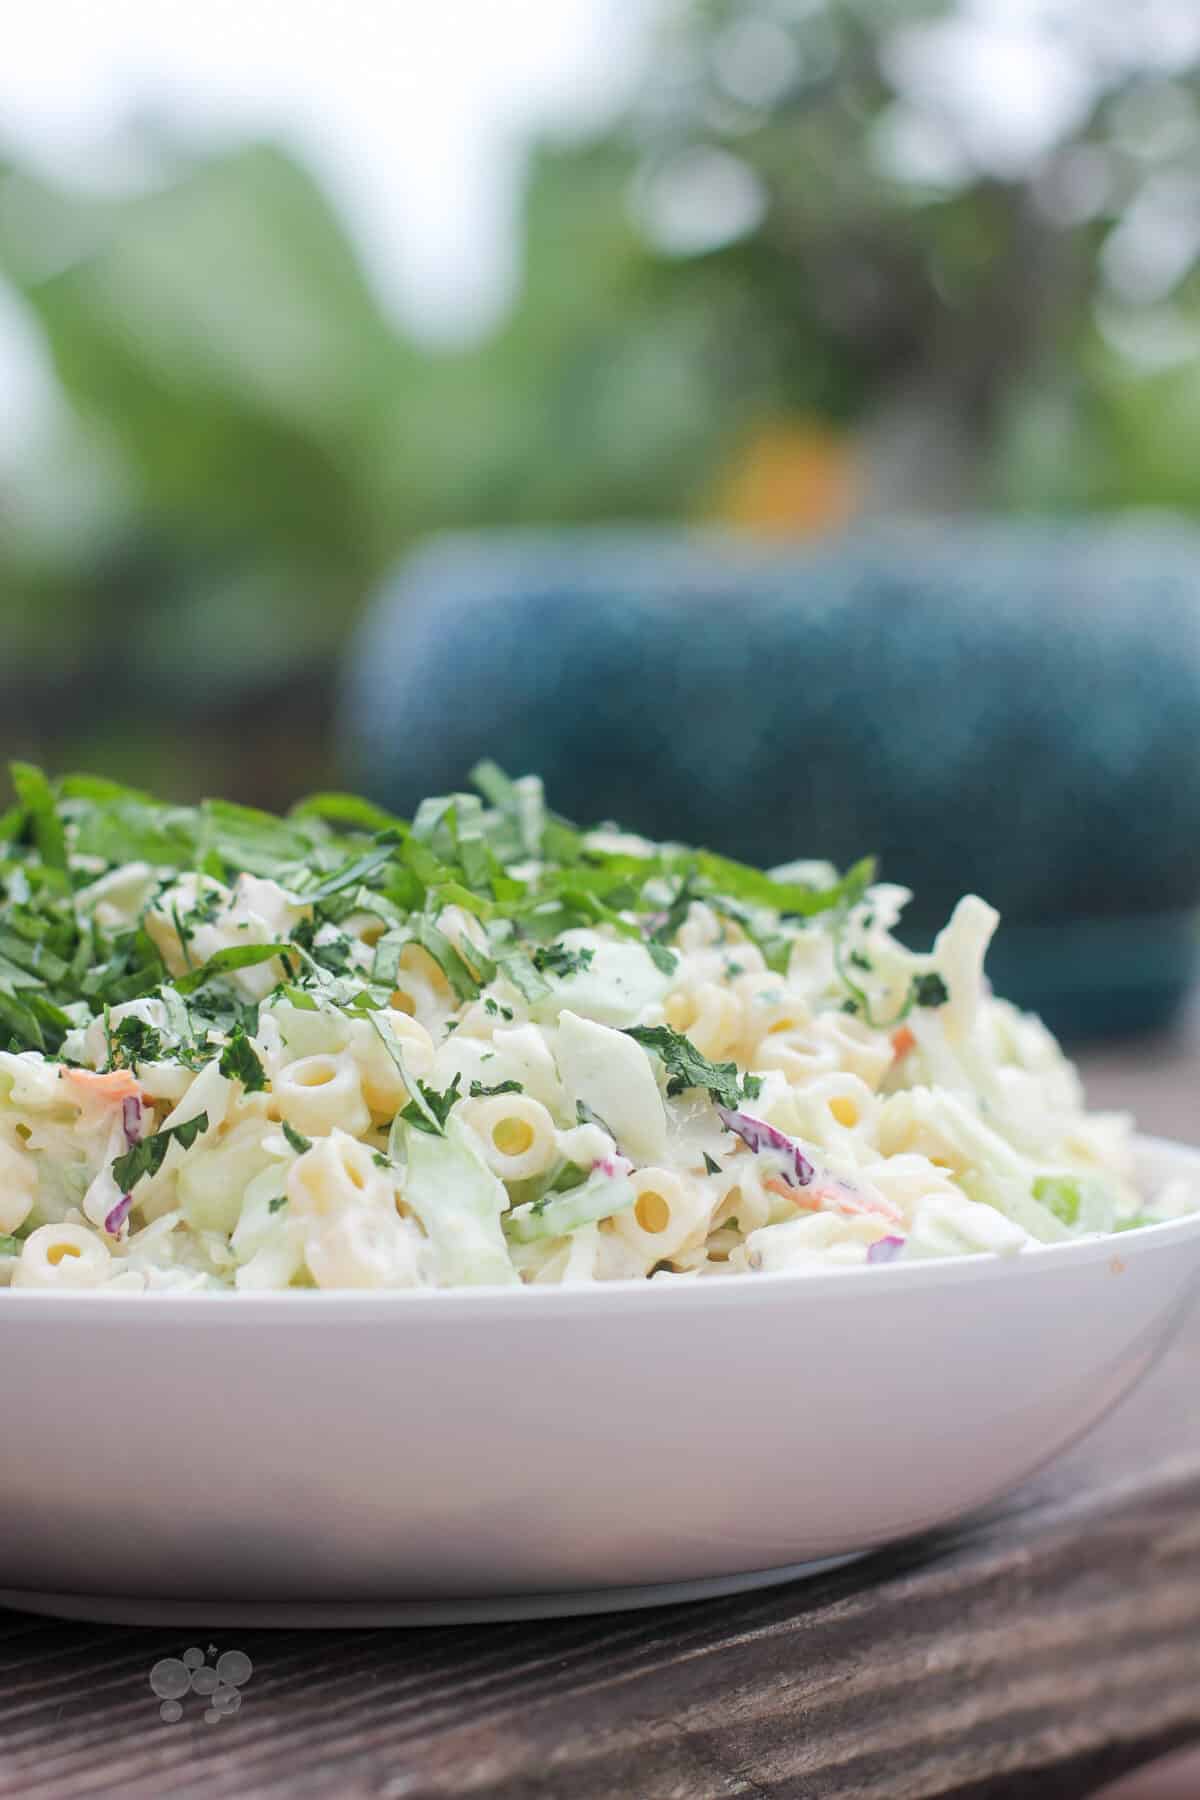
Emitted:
<point x="252" y="840"/>
<point x="516" y="967"/>
<point x="351" y="873"/>
<point x="756" y="888"/>
<point x="663" y="959"/>
<point x="479" y="1092"/>
<point x="495" y="786"/>
<point x="929" y="990"/>
<point x="556" y="959"/>
<point x="101" y="788"/>
<point x="224" y="962"/>
<point x="428" y="1109"/>
<point x="34" y="958"/>
<point x="685" y="1065"/>
<point x="347" y="810"/>
<point x="125" y="829"/>
<point x="9" y="1246"/>
<point x="37" y="797"/>
<point x="461" y="976"/>
<point x="19" y="1020"/>
<point x="132" y="1041"/>
<point x="240" y="1061"/>
<point x="418" y="1095"/>
<point x="299" y="1143"/>
<point x="146" y="1158"/>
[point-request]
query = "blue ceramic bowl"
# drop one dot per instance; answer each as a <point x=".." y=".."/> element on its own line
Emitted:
<point x="1002" y="707"/>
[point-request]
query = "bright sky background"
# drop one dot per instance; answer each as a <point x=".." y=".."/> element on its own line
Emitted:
<point x="410" y="114"/>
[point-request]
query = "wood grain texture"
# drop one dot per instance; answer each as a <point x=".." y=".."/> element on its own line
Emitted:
<point x="1042" y="1648"/>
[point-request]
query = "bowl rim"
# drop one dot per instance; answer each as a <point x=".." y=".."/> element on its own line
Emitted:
<point x="349" y="1306"/>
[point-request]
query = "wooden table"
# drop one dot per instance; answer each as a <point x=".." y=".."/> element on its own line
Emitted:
<point x="1045" y="1646"/>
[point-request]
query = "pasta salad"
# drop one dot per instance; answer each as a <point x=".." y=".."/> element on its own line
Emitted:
<point x="342" y="1050"/>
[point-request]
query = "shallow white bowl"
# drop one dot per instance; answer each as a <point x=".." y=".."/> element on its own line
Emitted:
<point x="331" y="1458"/>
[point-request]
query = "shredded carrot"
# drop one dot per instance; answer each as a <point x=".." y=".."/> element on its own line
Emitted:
<point x="838" y="1199"/>
<point x="804" y="1198"/>
<point x="903" y="1041"/>
<point x="844" y="1200"/>
<point x="118" y="1085"/>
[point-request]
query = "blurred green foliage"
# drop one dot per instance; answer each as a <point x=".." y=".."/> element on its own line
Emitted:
<point x="787" y="223"/>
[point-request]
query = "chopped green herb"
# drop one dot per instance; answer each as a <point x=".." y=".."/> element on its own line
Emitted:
<point x="240" y="1061"/>
<point x="556" y="959"/>
<point x="225" y="962"/>
<point x="146" y="1157"/>
<point x="685" y="1065"/>
<point x="296" y="1139"/>
<point x="133" y="1041"/>
<point x="479" y="1092"/>
<point x="711" y="1166"/>
<point x="929" y="990"/>
<point x="519" y="969"/>
<point x="663" y="959"/>
<point x="428" y="1110"/>
<point x="277" y="1204"/>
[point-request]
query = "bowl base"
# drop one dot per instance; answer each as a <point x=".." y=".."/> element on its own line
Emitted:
<point x="322" y="1615"/>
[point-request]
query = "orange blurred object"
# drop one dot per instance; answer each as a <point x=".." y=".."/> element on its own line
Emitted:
<point x="789" y="477"/>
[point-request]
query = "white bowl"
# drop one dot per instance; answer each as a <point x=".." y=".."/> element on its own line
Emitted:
<point x="332" y="1458"/>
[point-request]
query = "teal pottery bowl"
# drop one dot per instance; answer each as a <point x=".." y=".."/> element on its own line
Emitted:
<point x="1005" y="707"/>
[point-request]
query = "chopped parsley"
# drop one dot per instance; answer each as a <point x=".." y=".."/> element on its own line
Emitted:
<point x="525" y="877"/>
<point x="663" y="959"/>
<point x="711" y="1166"/>
<point x="205" y="911"/>
<point x="240" y="1061"/>
<point x="277" y="1204"/>
<point x="929" y="990"/>
<point x="479" y="1092"/>
<point x="686" y="1067"/>
<point x="133" y="1041"/>
<point x="146" y="1157"/>
<point x="428" y="1110"/>
<point x="9" y="1246"/>
<point x="556" y="959"/>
